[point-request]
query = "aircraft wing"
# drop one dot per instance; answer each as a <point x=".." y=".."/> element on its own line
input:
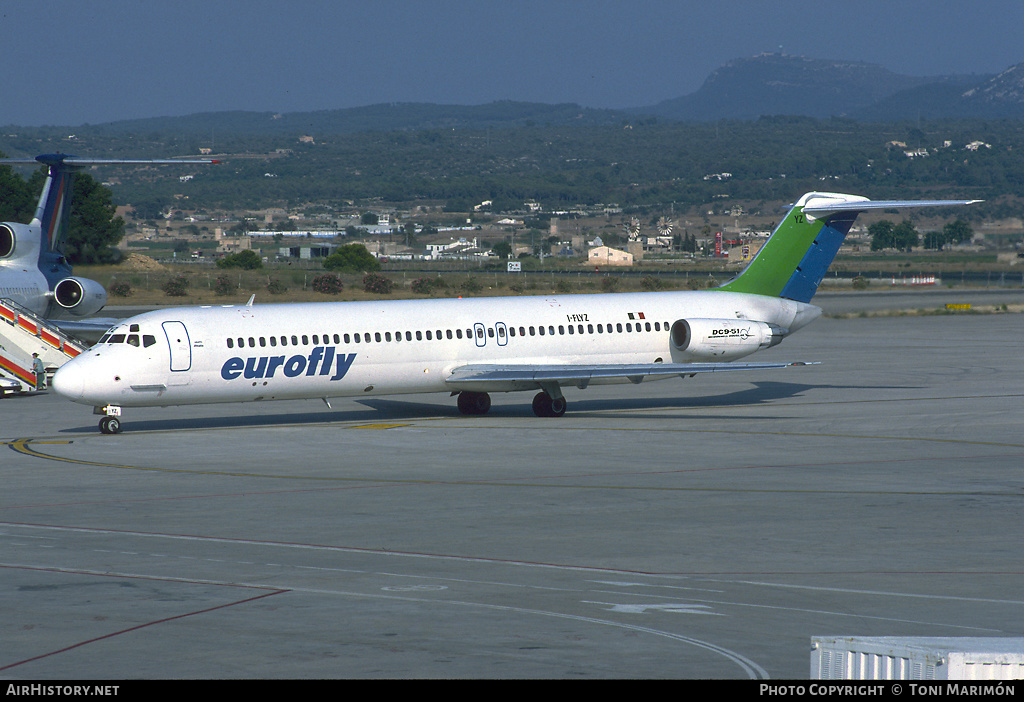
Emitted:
<point x="89" y="330"/>
<point x="502" y="378"/>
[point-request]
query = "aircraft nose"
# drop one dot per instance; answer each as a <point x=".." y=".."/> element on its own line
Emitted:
<point x="69" y="381"/>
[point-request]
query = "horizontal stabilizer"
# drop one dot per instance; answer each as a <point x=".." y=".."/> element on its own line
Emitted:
<point x="65" y="163"/>
<point x="824" y="207"/>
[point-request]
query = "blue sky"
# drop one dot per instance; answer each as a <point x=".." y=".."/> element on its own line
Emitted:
<point x="68" y="62"/>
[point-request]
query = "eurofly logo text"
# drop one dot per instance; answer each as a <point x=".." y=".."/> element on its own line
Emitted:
<point x="321" y="361"/>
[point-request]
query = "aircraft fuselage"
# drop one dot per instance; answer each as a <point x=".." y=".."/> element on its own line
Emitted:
<point x="324" y="350"/>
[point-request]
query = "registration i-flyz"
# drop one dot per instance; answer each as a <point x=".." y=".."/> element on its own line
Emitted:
<point x="469" y="347"/>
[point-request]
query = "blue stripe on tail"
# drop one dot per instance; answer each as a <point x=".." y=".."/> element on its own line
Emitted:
<point x="812" y="268"/>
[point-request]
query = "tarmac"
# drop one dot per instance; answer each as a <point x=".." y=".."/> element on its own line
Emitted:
<point x="698" y="528"/>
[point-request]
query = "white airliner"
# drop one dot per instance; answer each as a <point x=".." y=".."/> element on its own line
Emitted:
<point x="33" y="270"/>
<point x="469" y="347"/>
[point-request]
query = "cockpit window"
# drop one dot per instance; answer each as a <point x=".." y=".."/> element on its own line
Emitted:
<point x="116" y="339"/>
<point x="133" y="339"/>
<point x="148" y="340"/>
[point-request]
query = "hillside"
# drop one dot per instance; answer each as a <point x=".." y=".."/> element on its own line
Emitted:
<point x="385" y="118"/>
<point x="777" y="84"/>
<point x="744" y="89"/>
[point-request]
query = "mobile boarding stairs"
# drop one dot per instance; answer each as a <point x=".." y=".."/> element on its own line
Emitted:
<point x="23" y="333"/>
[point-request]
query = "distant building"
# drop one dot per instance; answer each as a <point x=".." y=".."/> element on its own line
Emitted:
<point x="305" y="252"/>
<point x="233" y="245"/>
<point x="607" y="256"/>
<point x="744" y="252"/>
<point x="454" y="249"/>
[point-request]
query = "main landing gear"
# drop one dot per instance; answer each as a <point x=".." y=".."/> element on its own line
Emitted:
<point x="474" y="402"/>
<point x="544" y="405"/>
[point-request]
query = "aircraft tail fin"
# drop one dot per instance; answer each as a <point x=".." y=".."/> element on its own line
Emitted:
<point x="54" y="208"/>
<point x="794" y="260"/>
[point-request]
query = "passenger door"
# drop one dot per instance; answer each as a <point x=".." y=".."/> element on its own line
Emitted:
<point x="181" y="347"/>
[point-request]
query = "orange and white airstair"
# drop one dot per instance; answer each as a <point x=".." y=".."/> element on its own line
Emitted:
<point x="23" y="333"/>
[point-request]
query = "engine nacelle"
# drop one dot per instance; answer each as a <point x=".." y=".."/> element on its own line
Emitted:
<point x="80" y="296"/>
<point x="722" y="339"/>
<point x="8" y="240"/>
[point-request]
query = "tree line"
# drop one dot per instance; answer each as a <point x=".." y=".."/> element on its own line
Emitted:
<point x="904" y="236"/>
<point x="636" y="165"/>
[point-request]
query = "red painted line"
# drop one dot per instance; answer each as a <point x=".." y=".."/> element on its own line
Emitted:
<point x="140" y="626"/>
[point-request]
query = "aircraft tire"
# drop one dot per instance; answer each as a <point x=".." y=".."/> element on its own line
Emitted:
<point x="474" y="403"/>
<point x="545" y="406"/>
<point x="110" y="425"/>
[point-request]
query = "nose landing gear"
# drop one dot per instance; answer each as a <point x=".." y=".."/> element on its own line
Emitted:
<point x="110" y="425"/>
<point x="111" y="422"/>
